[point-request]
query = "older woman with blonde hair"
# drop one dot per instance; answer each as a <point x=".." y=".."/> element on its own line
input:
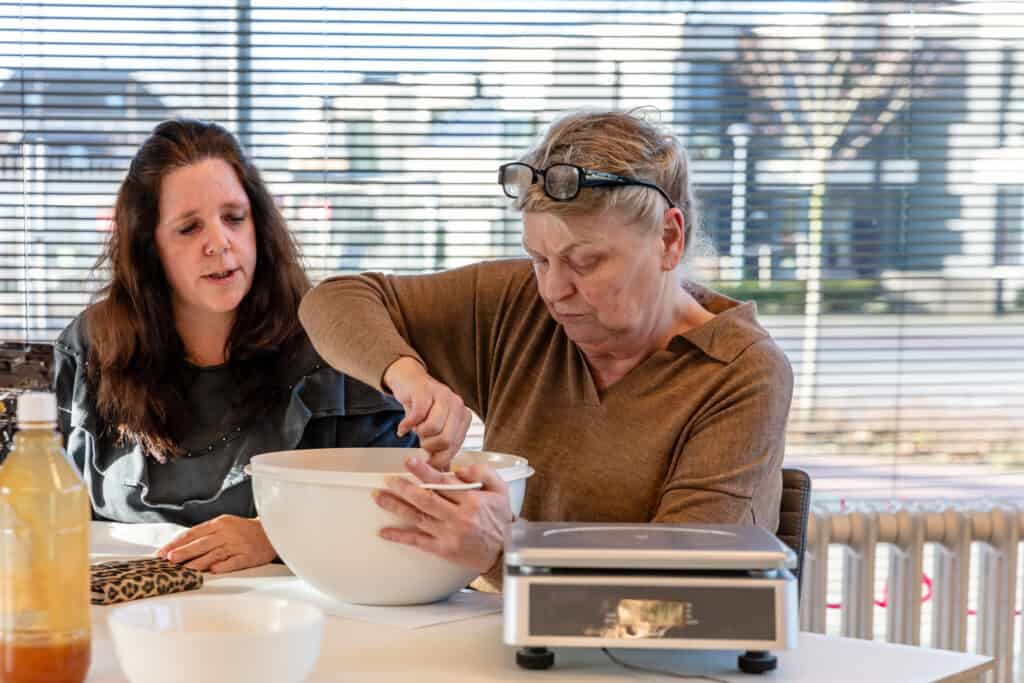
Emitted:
<point x="638" y="395"/>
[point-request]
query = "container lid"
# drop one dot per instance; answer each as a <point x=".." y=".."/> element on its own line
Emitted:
<point x="652" y="546"/>
<point x="37" y="409"/>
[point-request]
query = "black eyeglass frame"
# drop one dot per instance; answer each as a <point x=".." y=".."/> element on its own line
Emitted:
<point x="584" y="178"/>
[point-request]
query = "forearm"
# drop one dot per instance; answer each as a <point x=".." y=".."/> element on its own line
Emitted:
<point x="363" y="324"/>
<point x="683" y="506"/>
<point x="352" y="327"/>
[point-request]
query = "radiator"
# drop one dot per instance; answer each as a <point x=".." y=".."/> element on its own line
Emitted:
<point x="949" y="533"/>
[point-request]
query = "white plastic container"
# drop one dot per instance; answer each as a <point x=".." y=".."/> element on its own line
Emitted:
<point x="317" y="509"/>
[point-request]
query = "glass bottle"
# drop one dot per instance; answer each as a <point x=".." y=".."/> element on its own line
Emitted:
<point x="44" y="554"/>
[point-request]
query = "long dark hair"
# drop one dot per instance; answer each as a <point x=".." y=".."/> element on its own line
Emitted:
<point x="136" y="356"/>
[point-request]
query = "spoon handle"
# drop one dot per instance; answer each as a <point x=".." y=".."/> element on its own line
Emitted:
<point x="465" y="486"/>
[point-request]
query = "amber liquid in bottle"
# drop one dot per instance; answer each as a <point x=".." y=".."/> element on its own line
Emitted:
<point x="44" y="562"/>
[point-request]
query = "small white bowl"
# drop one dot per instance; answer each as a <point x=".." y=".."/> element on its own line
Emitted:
<point x="206" y="639"/>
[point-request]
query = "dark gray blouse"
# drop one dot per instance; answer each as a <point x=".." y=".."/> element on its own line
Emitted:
<point x="325" y="409"/>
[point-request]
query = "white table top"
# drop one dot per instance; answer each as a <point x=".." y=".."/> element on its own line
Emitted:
<point x="472" y="650"/>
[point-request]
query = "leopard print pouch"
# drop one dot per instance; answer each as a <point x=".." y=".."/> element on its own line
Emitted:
<point x="120" y="581"/>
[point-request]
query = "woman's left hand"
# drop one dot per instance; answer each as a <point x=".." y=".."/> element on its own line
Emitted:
<point x="464" y="527"/>
<point x="223" y="544"/>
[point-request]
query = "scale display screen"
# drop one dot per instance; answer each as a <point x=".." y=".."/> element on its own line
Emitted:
<point x="638" y="612"/>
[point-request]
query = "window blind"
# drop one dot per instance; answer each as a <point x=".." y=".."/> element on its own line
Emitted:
<point x="858" y="165"/>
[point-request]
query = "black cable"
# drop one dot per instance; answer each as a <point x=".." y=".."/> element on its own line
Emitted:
<point x="660" y="672"/>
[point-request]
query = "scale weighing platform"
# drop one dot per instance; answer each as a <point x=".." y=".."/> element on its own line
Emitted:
<point x="663" y="586"/>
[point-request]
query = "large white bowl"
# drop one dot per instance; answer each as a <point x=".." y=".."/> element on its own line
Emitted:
<point x="223" y="639"/>
<point x="317" y="509"/>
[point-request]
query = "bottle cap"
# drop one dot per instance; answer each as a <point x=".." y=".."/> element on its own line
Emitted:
<point x="37" y="409"/>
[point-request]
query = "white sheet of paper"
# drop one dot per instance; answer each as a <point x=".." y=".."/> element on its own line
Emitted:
<point x="111" y="540"/>
<point x="462" y="605"/>
<point x="115" y="541"/>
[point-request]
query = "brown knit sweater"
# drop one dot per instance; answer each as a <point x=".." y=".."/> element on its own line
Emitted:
<point x="694" y="433"/>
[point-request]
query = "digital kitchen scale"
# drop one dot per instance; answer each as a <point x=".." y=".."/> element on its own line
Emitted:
<point x="662" y="586"/>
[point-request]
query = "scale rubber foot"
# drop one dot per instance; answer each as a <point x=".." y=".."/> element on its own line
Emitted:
<point x="535" y="658"/>
<point x="757" y="662"/>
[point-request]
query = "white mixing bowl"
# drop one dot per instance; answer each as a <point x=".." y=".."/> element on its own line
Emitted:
<point x="317" y="509"/>
<point x="222" y="639"/>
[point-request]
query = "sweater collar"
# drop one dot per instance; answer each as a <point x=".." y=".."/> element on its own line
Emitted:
<point x="733" y="329"/>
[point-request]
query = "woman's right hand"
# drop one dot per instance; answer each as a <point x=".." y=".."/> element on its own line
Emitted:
<point x="432" y="410"/>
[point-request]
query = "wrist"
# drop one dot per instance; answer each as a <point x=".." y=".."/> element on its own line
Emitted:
<point x="401" y="372"/>
<point x="496" y="561"/>
<point x="268" y="547"/>
<point x="495" y="564"/>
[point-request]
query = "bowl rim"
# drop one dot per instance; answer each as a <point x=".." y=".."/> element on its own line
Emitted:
<point x="259" y="468"/>
<point x="307" y="614"/>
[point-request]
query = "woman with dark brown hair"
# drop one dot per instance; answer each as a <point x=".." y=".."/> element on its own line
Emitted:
<point x="193" y="359"/>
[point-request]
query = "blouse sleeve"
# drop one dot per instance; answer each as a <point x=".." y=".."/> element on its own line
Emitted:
<point x="731" y="462"/>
